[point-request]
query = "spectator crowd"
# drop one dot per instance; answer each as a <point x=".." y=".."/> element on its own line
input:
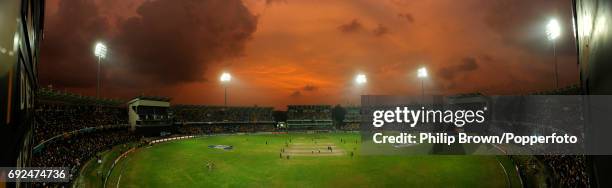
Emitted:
<point x="75" y="149"/>
<point x="567" y="170"/>
<point x="201" y="113"/>
<point x="59" y="118"/>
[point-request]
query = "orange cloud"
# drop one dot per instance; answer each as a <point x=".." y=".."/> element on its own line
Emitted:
<point x="304" y="44"/>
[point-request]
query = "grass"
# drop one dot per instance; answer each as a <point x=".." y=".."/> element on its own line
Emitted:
<point x="253" y="163"/>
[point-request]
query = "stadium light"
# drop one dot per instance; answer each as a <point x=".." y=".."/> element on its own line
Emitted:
<point x="225" y="79"/>
<point x="361" y="79"/>
<point x="422" y="74"/>
<point x="100" y="52"/>
<point x="553" y="31"/>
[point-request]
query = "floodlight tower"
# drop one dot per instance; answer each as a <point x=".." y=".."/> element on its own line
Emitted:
<point x="422" y="74"/>
<point x="553" y="31"/>
<point x="100" y="52"/>
<point x="225" y="79"/>
<point x="361" y="80"/>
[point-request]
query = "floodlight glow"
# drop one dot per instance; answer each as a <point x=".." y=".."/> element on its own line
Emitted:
<point x="585" y="25"/>
<point x="553" y="30"/>
<point x="422" y="72"/>
<point x="225" y="77"/>
<point x="361" y="79"/>
<point x="100" y="50"/>
<point x="15" y="42"/>
<point x="600" y="26"/>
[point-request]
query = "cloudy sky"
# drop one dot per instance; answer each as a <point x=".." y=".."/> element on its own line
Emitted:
<point x="283" y="52"/>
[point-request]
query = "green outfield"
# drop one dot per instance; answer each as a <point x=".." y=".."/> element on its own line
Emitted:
<point x="253" y="163"/>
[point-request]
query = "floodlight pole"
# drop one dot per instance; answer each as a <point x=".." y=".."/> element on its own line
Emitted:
<point x="360" y="96"/>
<point x="225" y="79"/>
<point x="422" y="74"/>
<point x="554" y="43"/>
<point x="225" y="95"/>
<point x="422" y="89"/>
<point x="98" y="84"/>
<point x="553" y="32"/>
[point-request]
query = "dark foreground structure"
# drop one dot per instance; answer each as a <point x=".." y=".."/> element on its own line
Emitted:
<point x="594" y="44"/>
<point x="20" y="36"/>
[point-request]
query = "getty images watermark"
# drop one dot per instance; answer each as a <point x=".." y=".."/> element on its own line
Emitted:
<point x="458" y="118"/>
<point x="473" y="124"/>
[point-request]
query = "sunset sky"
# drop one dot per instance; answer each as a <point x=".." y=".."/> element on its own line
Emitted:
<point x="283" y="52"/>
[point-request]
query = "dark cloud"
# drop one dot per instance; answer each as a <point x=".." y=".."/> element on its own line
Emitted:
<point x="67" y="58"/>
<point x="270" y="2"/>
<point x="406" y="16"/>
<point x="310" y="88"/>
<point x="351" y="27"/>
<point x="169" y="42"/>
<point x="173" y="41"/>
<point x="467" y="64"/>
<point x="380" y="30"/>
<point x="523" y="23"/>
<point x="296" y="94"/>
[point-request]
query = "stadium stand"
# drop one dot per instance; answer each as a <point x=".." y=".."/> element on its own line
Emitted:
<point x="74" y="149"/>
<point x="538" y="113"/>
<point x="59" y="112"/>
<point x="568" y="170"/>
<point x="70" y="129"/>
<point x="201" y="119"/>
<point x="202" y="113"/>
<point x="558" y="170"/>
<point x="51" y="95"/>
<point x="309" y="117"/>
<point x="568" y="90"/>
<point x="352" y="119"/>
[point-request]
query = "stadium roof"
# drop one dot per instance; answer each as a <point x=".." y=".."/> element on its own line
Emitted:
<point x="568" y="90"/>
<point x="466" y="95"/>
<point x="153" y="98"/>
<point x="46" y="94"/>
<point x="311" y="106"/>
<point x="220" y="107"/>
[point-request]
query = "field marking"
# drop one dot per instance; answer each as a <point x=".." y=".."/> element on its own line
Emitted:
<point x="318" y="155"/>
<point x="301" y="143"/>
<point x="313" y="150"/>
<point x="508" y="182"/>
<point x="127" y="159"/>
<point x="119" y="180"/>
<point x="312" y="147"/>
